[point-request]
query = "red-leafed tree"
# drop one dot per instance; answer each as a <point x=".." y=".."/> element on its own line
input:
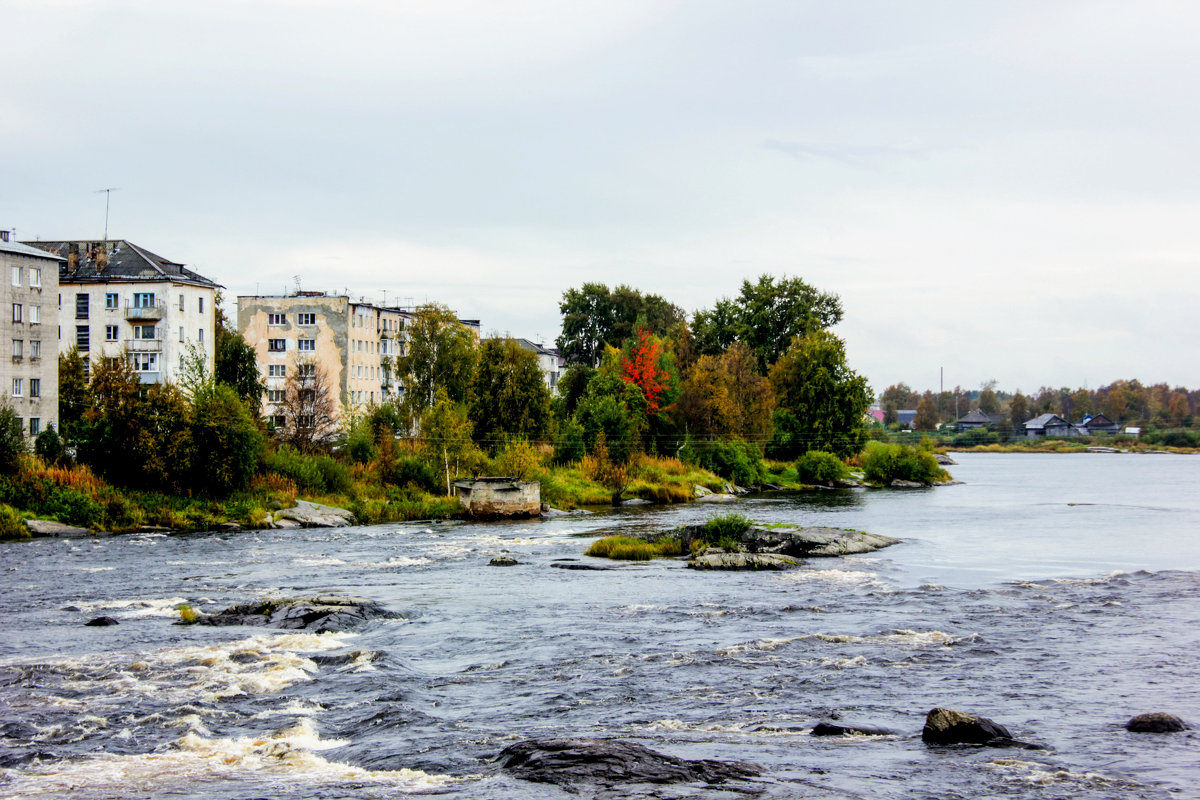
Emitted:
<point x="642" y="366"/>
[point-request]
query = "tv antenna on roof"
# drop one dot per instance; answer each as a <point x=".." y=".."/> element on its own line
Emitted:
<point x="107" y="197"/>
<point x="296" y="278"/>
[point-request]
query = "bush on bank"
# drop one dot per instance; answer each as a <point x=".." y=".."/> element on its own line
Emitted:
<point x="884" y="463"/>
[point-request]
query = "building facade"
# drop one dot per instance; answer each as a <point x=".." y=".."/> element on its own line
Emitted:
<point x="549" y="360"/>
<point x="29" y="375"/>
<point x="356" y="344"/>
<point x="119" y="300"/>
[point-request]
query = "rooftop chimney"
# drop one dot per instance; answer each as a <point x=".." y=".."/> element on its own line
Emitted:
<point x="3" y="236"/>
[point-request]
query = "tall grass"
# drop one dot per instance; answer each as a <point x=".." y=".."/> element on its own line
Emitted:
<point x="624" y="548"/>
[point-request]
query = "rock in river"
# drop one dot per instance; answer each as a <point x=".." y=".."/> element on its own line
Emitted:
<point x="1155" y="722"/>
<point x="838" y="729"/>
<point x="946" y="726"/>
<point x="318" y="614"/>
<point x="797" y="541"/>
<point x="718" y="559"/>
<point x="608" y="762"/>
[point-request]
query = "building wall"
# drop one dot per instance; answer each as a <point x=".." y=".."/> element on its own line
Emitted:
<point x="180" y="314"/>
<point x="37" y="359"/>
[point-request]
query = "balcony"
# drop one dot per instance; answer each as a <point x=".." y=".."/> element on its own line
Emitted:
<point x="143" y="345"/>
<point x="149" y="377"/>
<point x="153" y="311"/>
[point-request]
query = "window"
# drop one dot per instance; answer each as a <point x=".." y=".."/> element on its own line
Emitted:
<point x="306" y="319"/>
<point x="18" y="387"/>
<point x="276" y="319"/>
<point x="35" y="315"/>
<point x="112" y="300"/>
<point x="18" y="349"/>
<point x="308" y="345"/>
<point x="200" y="338"/>
<point x="35" y="426"/>
<point x="35" y="277"/>
<point x="35" y="348"/>
<point x="201" y="299"/>
<point x="17" y="312"/>
<point x="81" y="306"/>
<point x="276" y="370"/>
<point x="16" y="273"/>
<point x="35" y="387"/>
<point x="306" y="370"/>
<point x="83" y="338"/>
<point x="181" y="337"/>
<point x="144" y="331"/>
<point x="111" y="332"/>
<point x="276" y="345"/>
<point x="278" y="420"/>
<point x="145" y="362"/>
<point x="143" y="299"/>
<point x="181" y="301"/>
<point x="274" y="395"/>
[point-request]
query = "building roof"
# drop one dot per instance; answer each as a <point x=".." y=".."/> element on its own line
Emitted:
<point x="1045" y="421"/>
<point x="116" y="260"/>
<point x="25" y="250"/>
<point x="976" y="416"/>
<point x="540" y="349"/>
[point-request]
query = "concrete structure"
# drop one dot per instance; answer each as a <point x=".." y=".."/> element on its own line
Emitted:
<point x="117" y="299"/>
<point x="355" y="343"/>
<point x="29" y="375"/>
<point x="500" y="497"/>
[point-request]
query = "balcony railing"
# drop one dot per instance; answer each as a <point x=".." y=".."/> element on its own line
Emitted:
<point x="152" y="311"/>
<point x="143" y="345"/>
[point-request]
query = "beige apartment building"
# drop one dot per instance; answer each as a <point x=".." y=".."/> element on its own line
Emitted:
<point x="355" y="343"/>
<point x="29" y="375"/>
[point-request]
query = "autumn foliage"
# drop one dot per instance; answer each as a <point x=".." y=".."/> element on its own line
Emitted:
<point x="642" y="367"/>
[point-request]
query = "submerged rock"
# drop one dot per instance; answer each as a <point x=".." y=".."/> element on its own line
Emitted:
<point x="740" y="561"/>
<point x="903" y="484"/>
<point x="797" y="541"/>
<point x="609" y="762"/>
<point x="838" y="729"/>
<point x="716" y="498"/>
<point x="503" y="561"/>
<point x="47" y="527"/>
<point x="570" y="563"/>
<point x="1156" y="722"/>
<point x="946" y="726"/>
<point x="101" y="622"/>
<point x="318" y="614"/>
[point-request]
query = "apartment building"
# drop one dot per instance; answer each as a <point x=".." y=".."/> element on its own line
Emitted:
<point x="119" y="300"/>
<point x="356" y="343"/>
<point x="29" y="284"/>
<point x="551" y="363"/>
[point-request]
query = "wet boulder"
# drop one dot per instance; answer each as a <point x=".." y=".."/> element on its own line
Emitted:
<point x="101" y="622"/>
<point x="609" y="762"/>
<point x="317" y="614"/>
<point x="797" y="541"/>
<point x="1156" y="722"/>
<point x="503" y="561"/>
<point x="839" y="729"/>
<point x="720" y="560"/>
<point x="312" y="515"/>
<point x="946" y="726"/>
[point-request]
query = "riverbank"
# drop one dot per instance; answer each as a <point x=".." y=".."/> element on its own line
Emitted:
<point x="1070" y="446"/>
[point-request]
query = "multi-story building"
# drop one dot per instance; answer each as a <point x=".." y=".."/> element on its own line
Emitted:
<point x="548" y="359"/>
<point x="29" y="282"/>
<point x="355" y="343"/>
<point x="117" y="299"/>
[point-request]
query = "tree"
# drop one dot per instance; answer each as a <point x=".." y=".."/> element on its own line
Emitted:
<point x="73" y="396"/>
<point x="446" y="435"/>
<point x="441" y="354"/>
<point x="309" y="410"/>
<point x="509" y="397"/>
<point x="926" y="419"/>
<point x="989" y="403"/>
<point x="725" y="396"/>
<point x="12" y="438"/>
<point x="767" y="316"/>
<point x="595" y="317"/>
<point x="1177" y="406"/>
<point x="642" y="367"/>
<point x="827" y="400"/>
<point x="225" y="438"/>
<point x="894" y="398"/>
<point x="1018" y="412"/>
<point x="236" y="366"/>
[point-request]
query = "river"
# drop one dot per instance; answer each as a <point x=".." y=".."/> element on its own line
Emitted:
<point x="1056" y="594"/>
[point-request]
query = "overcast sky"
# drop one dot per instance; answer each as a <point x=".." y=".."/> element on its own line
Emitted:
<point x="1007" y="190"/>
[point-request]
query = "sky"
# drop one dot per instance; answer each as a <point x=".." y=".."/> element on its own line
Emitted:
<point x="1000" y="191"/>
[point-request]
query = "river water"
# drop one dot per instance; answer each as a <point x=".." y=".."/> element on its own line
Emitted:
<point x="1058" y="595"/>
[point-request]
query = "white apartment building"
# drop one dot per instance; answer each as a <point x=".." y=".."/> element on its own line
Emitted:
<point x="119" y="300"/>
<point x="29" y="373"/>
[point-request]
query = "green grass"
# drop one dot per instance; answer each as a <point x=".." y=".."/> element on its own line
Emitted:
<point x="624" y="548"/>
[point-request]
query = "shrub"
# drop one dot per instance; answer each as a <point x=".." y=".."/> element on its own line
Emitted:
<point x="817" y="466"/>
<point x="321" y="474"/>
<point x="884" y="463"/>
<point x="733" y="459"/>
<point x="360" y="444"/>
<point x="49" y="446"/>
<point x="518" y="459"/>
<point x="569" y="445"/>
<point x="12" y="439"/>
<point x="12" y="525"/>
<point x="410" y="470"/>
<point x="975" y="437"/>
<point x="724" y="531"/>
